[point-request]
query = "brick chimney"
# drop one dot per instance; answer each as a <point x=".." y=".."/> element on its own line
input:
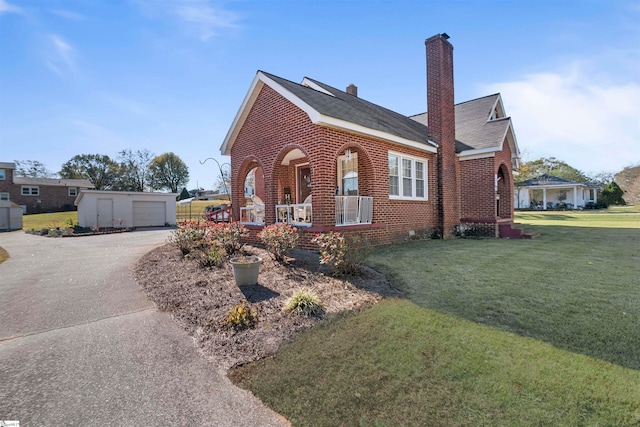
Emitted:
<point x="442" y="130"/>
<point x="352" y="89"/>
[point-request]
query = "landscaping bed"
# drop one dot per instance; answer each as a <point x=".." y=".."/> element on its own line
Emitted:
<point x="200" y="299"/>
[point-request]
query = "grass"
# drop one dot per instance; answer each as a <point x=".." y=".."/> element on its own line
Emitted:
<point x="48" y="220"/>
<point x="4" y="255"/>
<point x="196" y="209"/>
<point x="496" y="332"/>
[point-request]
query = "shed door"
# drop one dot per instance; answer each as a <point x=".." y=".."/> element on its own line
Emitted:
<point x="4" y="218"/>
<point x="149" y="214"/>
<point x="105" y="213"/>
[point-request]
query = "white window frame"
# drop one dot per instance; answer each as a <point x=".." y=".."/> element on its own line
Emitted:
<point x="413" y="177"/>
<point x="74" y="190"/>
<point x="354" y="158"/>
<point x="32" y="190"/>
<point x="3" y="174"/>
<point x="5" y="196"/>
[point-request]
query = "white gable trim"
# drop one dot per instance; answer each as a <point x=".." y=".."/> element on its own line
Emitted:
<point x="316" y="118"/>
<point x="477" y="155"/>
<point x="313" y="85"/>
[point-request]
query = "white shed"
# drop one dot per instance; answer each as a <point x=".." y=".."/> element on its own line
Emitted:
<point x="10" y="216"/>
<point x="122" y="209"/>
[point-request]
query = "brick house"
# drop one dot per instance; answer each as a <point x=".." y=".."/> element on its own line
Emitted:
<point x="324" y="159"/>
<point x="37" y="195"/>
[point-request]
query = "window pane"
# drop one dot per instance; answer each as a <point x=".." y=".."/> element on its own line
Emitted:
<point x="406" y="187"/>
<point x="25" y="191"/>
<point x="393" y="166"/>
<point x="406" y="168"/>
<point x="419" y="170"/>
<point x="419" y="188"/>
<point x="393" y="186"/>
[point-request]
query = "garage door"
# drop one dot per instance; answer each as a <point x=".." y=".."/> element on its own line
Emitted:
<point x="149" y="214"/>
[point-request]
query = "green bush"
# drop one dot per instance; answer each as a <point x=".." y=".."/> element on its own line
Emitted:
<point x="208" y="256"/>
<point x="304" y="302"/>
<point x="344" y="254"/>
<point x="228" y="236"/>
<point x="279" y="239"/>
<point x="188" y="237"/>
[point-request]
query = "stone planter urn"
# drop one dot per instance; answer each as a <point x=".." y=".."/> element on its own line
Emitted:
<point x="246" y="269"/>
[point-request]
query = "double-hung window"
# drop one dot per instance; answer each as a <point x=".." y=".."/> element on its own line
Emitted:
<point x="73" y="191"/>
<point x="30" y="190"/>
<point x="3" y="175"/>
<point x="4" y="196"/>
<point x="407" y="177"/>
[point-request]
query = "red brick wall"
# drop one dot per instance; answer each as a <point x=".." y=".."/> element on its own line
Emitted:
<point x="274" y="126"/>
<point x="503" y="159"/>
<point x="52" y="198"/>
<point x="477" y="188"/>
<point x="441" y="117"/>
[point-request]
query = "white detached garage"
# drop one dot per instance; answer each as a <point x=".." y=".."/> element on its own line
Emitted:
<point x="122" y="209"/>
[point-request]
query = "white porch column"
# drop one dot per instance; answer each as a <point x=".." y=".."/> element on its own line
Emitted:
<point x="575" y="197"/>
<point x="544" y="198"/>
<point x="595" y="195"/>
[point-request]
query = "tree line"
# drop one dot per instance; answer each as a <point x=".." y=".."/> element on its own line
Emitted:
<point x="138" y="170"/>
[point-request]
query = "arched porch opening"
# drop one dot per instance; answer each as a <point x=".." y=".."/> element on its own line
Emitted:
<point x="250" y="196"/>
<point x="504" y="193"/>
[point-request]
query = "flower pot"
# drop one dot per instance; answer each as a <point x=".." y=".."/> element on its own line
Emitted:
<point x="246" y="269"/>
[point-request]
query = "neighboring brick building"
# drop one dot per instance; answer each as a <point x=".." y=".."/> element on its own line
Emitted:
<point x="325" y="159"/>
<point x="38" y="195"/>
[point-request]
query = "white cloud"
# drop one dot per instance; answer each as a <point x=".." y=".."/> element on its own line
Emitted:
<point x="60" y="55"/>
<point x="206" y="18"/>
<point x="8" y="8"/>
<point x="584" y="120"/>
<point x="67" y="14"/>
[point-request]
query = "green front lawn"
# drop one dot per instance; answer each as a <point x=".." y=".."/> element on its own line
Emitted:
<point x="496" y="332"/>
<point x="48" y="220"/>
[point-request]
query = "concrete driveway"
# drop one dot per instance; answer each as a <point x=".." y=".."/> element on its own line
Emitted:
<point x="80" y="344"/>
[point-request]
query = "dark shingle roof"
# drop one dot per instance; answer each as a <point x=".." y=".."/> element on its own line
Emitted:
<point x="473" y="130"/>
<point x="546" y="179"/>
<point x="355" y="110"/>
<point x="52" y="182"/>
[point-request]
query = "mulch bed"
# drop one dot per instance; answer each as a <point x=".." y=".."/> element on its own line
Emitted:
<point x="199" y="299"/>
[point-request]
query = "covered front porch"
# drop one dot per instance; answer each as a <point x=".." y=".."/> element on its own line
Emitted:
<point x="307" y="194"/>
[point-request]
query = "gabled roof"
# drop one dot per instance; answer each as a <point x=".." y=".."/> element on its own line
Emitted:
<point x="52" y="182"/>
<point x="330" y="107"/>
<point x="548" y="180"/>
<point x="478" y="130"/>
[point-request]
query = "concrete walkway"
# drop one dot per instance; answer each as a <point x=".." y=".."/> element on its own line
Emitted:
<point x="80" y="344"/>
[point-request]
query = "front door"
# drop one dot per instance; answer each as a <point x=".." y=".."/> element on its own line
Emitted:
<point x="304" y="183"/>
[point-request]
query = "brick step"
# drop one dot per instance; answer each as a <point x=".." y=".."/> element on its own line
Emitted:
<point x="515" y="230"/>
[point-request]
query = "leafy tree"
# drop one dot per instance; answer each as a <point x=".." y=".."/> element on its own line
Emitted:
<point x="550" y="166"/>
<point x="168" y="171"/>
<point x="134" y="172"/>
<point x="629" y="180"/>
<point x="184" y="194"/>
<point x="97" y="168"/>
<point x="32" y="169"/>
<point x="612" y="194"/>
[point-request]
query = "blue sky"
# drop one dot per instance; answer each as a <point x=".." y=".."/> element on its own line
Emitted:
<point x="80" y="76"/>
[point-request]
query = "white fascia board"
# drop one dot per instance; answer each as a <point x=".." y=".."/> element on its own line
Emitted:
<point x="258" y="82"/>
<point x="463" y="157"/>
<point x="315" y="86"/>
<point x="315" y="117"/>
<point x="332" y="122"/>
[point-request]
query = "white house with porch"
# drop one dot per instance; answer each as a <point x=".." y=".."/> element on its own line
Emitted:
<point x="550" y="192"/>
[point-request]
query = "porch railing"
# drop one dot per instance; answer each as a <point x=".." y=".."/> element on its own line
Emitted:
<point x="299" y="214"/>
<point x="252" y="215"/>
<point x="354" y="210"/>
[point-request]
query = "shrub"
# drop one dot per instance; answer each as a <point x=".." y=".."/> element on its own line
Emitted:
<point x="344" y="254"/>
<point x="209" y="256"/>
<point x="279" y="239"/>
<point x="189" y="236"/>
<point x="304" y="302"/>
<point x="228" y="236"/>
<point x="241" y="316"/>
